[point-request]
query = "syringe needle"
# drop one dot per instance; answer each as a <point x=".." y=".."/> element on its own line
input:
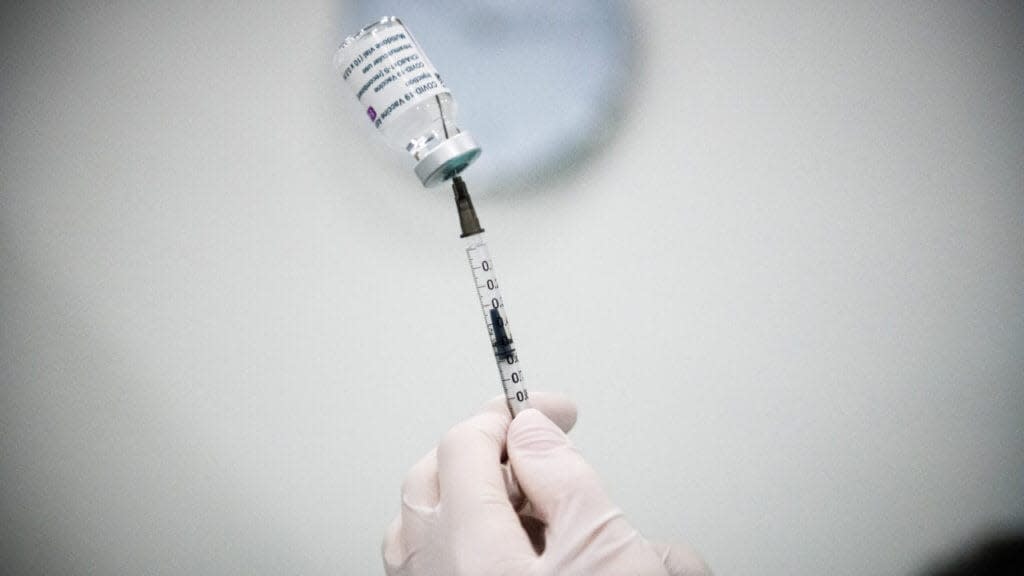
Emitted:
<point x="467" y="215"/>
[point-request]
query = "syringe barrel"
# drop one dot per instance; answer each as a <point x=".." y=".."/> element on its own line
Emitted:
<point x="496" y="318"/>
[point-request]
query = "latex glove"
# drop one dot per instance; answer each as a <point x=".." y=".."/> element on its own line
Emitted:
<point x="458" y="517"/>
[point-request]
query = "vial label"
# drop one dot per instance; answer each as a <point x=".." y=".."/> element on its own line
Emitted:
<point x="388" y="72"/>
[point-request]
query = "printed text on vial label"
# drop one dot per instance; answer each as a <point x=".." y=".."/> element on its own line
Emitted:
<point x="391" y="74"/>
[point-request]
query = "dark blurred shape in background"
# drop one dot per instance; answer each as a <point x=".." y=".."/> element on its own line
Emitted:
<point x="999" y="554"/>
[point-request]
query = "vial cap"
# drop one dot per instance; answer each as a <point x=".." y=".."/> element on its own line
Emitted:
<point x="447" y="159"/>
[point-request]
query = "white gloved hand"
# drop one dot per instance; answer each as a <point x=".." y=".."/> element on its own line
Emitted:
<point x="459" y="519"/>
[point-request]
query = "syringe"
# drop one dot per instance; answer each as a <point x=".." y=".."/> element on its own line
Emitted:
<point x="408" y="103"/>
<point x="491" y="302"/>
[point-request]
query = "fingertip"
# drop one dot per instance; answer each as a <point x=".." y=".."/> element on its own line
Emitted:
<point x="681" y="560"/>
<point x="559" y="408"/>
<point x="532" y="416"/>
<point x="532" y="431"/>
<point x="488" y="425"/>
<point x="419" y="487"/>
<point x="536" y="413"/>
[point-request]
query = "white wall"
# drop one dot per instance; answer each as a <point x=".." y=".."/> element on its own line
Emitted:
<point x="788" y="297"/>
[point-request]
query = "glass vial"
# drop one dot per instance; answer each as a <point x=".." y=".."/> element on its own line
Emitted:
<point x="405" y="99"/>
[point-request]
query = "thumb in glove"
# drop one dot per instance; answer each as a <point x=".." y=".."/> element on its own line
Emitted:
<point x="585" y="532"/>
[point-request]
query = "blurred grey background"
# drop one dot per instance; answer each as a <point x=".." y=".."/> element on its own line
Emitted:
<point x="787" y="291"/>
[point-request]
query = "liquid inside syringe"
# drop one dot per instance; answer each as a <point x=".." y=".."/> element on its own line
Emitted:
<point x="491" y="302"/>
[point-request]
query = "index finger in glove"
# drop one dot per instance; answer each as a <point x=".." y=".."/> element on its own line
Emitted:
<point x="475" y="506"/>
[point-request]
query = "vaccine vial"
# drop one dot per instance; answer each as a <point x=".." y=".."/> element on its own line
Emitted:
<point x="405" y="99"/>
